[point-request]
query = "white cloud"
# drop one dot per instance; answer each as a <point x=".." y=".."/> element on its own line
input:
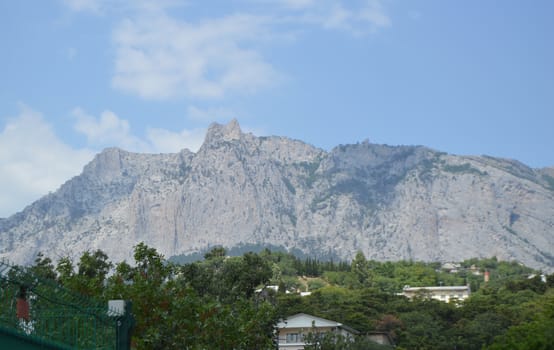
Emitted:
<point x="357" y="17"/>
<point x="108" y="7"/>
<point x="92" y="6"/>
<point x="374" y="14"/>
<point x="367" y="18"/>
<point x="108" y="130"/>
<point x="337" y="18"/>
<point x="159" y="57"/>
<point x="33" y="161"/>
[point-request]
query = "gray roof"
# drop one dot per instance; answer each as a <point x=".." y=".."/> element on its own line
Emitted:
<point x="303" y="320"/>
<point x="444" y="288"/>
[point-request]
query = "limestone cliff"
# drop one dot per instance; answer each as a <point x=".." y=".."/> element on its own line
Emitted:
<point x="391" y="202"/>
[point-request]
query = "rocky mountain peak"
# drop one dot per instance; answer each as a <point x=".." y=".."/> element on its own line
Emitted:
<point x="218" y="132"/>
<point x="391" y="202"/>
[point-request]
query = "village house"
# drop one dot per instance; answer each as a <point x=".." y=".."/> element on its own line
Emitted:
<point x="442" y="293"/>
<point x="293" y="329"/>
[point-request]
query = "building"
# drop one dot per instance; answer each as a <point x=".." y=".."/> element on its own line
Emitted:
<point x="442" y="293"/>
<point x="451" y="267"/>
<point x="292" y="330"/>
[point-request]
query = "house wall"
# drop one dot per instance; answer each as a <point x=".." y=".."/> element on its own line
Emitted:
<point x="439" y="294"/>
<point x="287" y="344"/>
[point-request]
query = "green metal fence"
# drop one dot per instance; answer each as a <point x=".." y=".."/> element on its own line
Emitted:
<point x="56" y="317"/>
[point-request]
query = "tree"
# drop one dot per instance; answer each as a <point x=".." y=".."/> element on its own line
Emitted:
<point x="535" y="333"/>
<point x="390" y="324"/>
<point x="43" y="267"/>
<point x="334" y="341"/>
<point x="254" y="272"/>
<point x="89" y="279"/>
<point x="360" y="268"/>
<point x="204" y="305"/>
<point x="150" y="264"/>
<point x="65" y="269"/>
<point x="94" y="265"/>
<point x="216" y="252"/>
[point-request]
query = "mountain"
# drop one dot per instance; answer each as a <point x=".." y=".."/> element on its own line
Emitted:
<point x="391" y="202"/>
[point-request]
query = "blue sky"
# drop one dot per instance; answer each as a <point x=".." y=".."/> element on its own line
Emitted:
<point x="76" y="76"/>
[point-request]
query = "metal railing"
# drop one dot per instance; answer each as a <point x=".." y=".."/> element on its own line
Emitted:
<point x="44" y="311"/>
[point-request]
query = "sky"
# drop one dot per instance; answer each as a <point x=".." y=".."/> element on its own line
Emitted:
<point x="76" y="76"/>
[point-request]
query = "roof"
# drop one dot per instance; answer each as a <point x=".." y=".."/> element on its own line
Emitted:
<point x="443" y="288"/>
<point x="303" y="320"/>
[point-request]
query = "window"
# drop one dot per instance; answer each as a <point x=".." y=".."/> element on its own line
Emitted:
<point x="294" y="338"/>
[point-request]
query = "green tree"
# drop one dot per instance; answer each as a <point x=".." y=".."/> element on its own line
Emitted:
<point x="334" y="341"/>
<point x="254" y="272"/>
<point x="94" y="265"/>
<point x="204" y="305"/>
<point x="216" y="252"/>
<point x="43" y="267"/>
<point x="64" y="268"/>
<point x="535" y="332"/>
<point x="90" y="277"/>
<point x="360" y="268"/>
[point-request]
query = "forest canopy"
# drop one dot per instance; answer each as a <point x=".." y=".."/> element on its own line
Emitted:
<point x="235" y="302"/>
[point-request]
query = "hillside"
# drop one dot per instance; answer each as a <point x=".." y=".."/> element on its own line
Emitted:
<point x="391" y="202"/>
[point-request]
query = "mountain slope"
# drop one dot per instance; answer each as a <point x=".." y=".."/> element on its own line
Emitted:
<point x="391" y="202"/>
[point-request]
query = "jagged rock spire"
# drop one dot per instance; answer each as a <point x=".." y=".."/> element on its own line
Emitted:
<point x="218" y="132"/>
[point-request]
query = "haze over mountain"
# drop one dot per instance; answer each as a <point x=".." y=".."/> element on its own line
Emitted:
<point x="391" y="202"/>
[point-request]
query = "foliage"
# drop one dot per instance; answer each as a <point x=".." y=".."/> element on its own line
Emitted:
<point x="537" y="333"/>
<point x="334" y="341"/>
<point x="217" y="252"/>
<point x="43" y="267"/>
<point x="360" y="269"/>
<point x="53" y="314"/>
<point x="90" y="276"/>
<point x="492" y="310"/>
<point x="316" y="283"/>
<point x="465" y="168"/>
<point x="213" y="303"/>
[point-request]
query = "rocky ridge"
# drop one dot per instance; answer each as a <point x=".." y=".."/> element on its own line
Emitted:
<point x="391" y="202"/>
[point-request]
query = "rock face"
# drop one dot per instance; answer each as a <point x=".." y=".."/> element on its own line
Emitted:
<point x="401" y="202"/>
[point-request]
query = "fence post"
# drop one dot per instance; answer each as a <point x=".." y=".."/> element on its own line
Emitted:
<point x="125" y="325"/>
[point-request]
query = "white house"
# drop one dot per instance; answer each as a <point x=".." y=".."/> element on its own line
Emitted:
<point x="293" y="329"/>
<point x="443" y="293"/>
